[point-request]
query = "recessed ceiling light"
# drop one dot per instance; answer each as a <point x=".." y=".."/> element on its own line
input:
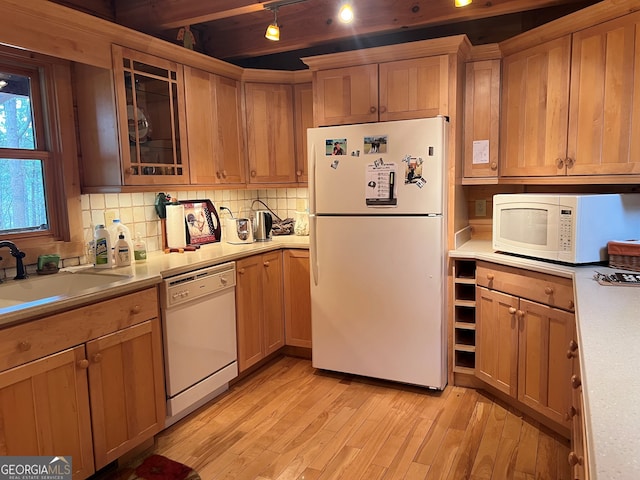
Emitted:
<point x="346" y="13"/>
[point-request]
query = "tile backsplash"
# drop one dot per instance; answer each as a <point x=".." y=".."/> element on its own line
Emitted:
<point x="137" y="210"/>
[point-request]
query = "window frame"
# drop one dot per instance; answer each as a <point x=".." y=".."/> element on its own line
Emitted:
<point x="56" y="145"/>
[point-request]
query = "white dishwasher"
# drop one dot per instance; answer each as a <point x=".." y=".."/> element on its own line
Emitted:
<point x="199" y="327"/>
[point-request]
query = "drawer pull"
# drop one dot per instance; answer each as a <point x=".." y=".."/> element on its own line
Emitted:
<point x="490" y="276"/>
<point x="572" y="412"/>
<point x="97" y="358"/>
<point x="575" y="381"/>
<point x="548" y="290"/>
<point x="136" y="309"/>
<point x="512" y="310"/>
<point x="266" y="264"/>
<point x="574" y="459"/>
<point x="84" y="363"/>
<point x="571" y="305"/>
<point x="24" y="346"/>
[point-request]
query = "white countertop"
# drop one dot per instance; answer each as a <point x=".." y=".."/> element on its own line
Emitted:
<point x="158" y="265"/>
<point x="608" y="331"/>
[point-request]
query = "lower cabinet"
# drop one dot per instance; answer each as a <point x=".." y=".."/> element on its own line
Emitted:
<point x="297" y="298"/>
<point x="259" y="307"/>
<point x="92" y="387"/>
<point x="521" y="344"/>
<point x="578" y="454"/>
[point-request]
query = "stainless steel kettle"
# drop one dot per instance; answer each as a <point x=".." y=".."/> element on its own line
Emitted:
<point x="262" y="223"/>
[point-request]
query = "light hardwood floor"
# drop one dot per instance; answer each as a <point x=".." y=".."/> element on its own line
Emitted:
<point x="289" y="421"/>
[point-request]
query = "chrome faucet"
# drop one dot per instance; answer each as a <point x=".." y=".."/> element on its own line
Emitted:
<point x="21" y="274"/>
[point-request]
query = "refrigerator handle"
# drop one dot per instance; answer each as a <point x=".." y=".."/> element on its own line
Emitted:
<point x="313" y="248"/>
<point x="311" y="154"/>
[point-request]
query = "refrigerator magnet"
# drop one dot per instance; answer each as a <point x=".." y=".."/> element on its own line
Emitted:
<point x="335" y="146"/>
<point x="381" y="189"/>
<point x="413" y="169"/>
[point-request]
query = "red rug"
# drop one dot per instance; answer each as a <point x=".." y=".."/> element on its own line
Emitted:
<point x="157" y="467"/>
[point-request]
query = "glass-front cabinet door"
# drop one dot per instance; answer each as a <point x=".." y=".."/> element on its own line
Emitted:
<point x="151" y="111"/>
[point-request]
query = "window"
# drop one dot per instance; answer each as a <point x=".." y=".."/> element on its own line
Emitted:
<point x="39" y="178"/>
<point x="23" y="205"/>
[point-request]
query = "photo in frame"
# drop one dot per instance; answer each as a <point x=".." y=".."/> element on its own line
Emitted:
<point x="202" y="222"/>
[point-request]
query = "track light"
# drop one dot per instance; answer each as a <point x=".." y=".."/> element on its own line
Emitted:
<point x="346" y="13"/>
<point x="462" y="3"/>
<point x="273" y="30"/>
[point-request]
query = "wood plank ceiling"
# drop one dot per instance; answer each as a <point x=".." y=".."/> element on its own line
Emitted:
<point x="233" y="30"/>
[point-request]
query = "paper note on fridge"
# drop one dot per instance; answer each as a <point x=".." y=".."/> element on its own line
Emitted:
<point x="381" y="189"/>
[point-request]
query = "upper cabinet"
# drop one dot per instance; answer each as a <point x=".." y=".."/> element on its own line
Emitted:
<point x="398" y="90"/>
<point x="569" y="105"/>
<point x="151" y="115"/>
<point x="270" y="133"/>
<point x="214" y="125"/>
<point x="303" y="116"/>
<point x="482" y="119"/>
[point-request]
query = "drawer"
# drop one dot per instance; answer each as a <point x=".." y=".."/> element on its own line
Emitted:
<point x="539" y="287"/>
<point x="38" y="338"/>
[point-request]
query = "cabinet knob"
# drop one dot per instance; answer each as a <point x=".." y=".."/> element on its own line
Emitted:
<point x="519" y="314"/>
<point x="136" y="309"/>
<point x="573" y="345"/>
<point x="218" y="176"/>
<point x="570" y="162"/>
<point x="224" y="174"/>
<point x="574" y="459"/>
<point x="266" y="264"/>
<point x="97" y="358"/>
<point x="560" y="163"/>
<point x="373" y="110"/>
<point x="575" y="381"/>
<point x="571" y="412"/>
<point x="24" y="346"/>
<point x="490" y="276"/>
<point x="383" y="109"/>
<point x="84" y="363"/>
<point x="571" y="354"/>
<point x="571" y="305"/>
<point x="299" y="173"/>
<point x="512" y="310"/>
<point x="494" y="166"/>
<point x="241" y="271"/>
<point x="253" y="173"/>
<point x="548" y="290"/>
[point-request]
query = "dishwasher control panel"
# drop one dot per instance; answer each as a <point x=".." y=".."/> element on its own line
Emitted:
<point x="199" y="283"/>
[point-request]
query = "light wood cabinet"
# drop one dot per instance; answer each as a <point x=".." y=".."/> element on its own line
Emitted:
<point x="578" y="454"/>
<point x="522" y="343"/>
<point x="398" y="90"/>
<point x="303" y="116"/>
<point x="44" y="406"/>
<point x="270" y="133"/>
<point x="482" y="118"/>
<point x="93" y="387"/>
<point x="535" y="106"/>
<point x="568" y="105"/>
<point x="214" y="124"/>
<point x="297" y="298"/>
<point x="126" y="386"/>
<point x="259" y="307"/>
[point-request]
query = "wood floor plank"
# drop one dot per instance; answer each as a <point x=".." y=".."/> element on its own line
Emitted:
<point x="288" y="421"/>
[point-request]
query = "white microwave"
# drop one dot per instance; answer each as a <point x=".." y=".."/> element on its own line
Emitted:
<point x="564" y="227"/>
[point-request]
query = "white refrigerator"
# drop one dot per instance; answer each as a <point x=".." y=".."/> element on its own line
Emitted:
<point x="377" y="249"/>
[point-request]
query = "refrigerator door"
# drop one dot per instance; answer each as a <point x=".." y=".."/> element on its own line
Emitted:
<point x="377" y="297"/>
<point x="385" y="168"/>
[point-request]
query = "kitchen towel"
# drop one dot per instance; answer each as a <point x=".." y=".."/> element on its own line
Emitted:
<point x="176" y="226"/>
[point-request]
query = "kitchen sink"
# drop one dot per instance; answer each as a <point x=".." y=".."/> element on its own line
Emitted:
<point x="50" y="287"/>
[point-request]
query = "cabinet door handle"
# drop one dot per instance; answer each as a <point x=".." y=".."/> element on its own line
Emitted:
<point x="571" y="412"/>
<point x="299" y="173"/>
<point x="490" y="276"/>
<point x="574" y="459"/>
<point x="373" y="110"/>
<point x="575" y="381"/>
<point x="241" y="271"/>
<point x="548" y="290"/>
<point x="253" y="173"/>
<point x="266" y="264"/>
<point x="24" y="346"/>
<point x="571" y="354"/>
<point x="97" y="358"/>
<point x="224" y="174"/>
<point x="383" y="109"/>
<point x="218" y="176"/>
<point x="573" y="345"/>
<point x="494" y="166"/>
<point x="512" y="310"/>
<point x="84" y="364"/>
<point x="560" y="163"/>
<point x="519" y="314"/>
<point x="570" y="162"/>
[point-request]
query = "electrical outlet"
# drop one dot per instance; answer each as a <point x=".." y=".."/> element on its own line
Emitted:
<point x="481" y="208"/>
<point x="109" y="216"/>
